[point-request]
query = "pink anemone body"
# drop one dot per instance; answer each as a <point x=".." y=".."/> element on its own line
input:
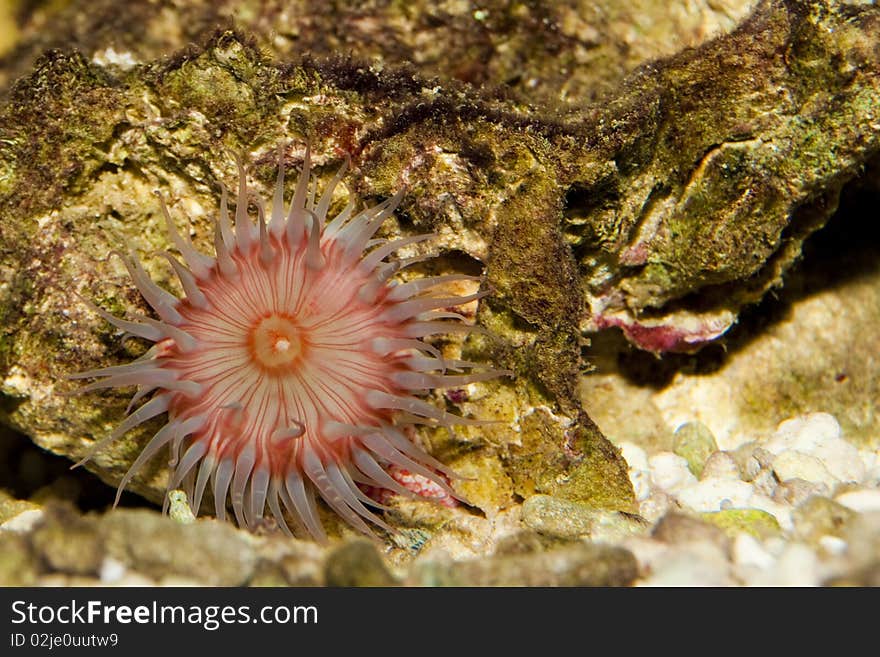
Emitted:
<point x="294" y="362"/>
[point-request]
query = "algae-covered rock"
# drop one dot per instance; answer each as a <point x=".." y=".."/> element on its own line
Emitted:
<point x="18" y="563"/>
<point x="694" y="442"/>
<point x="10" y="507"/>
<point x="756" y="522"/>
<point x="357" y="563"/>
<point x="580" y="564"/>
<point x="68" y="543"/>
<point x="662" y="210"/>
<point x="168" y="125"/>
<point x="144" y="547"/>
<point x="141" y="547"/>
<point x="565" y="519"/>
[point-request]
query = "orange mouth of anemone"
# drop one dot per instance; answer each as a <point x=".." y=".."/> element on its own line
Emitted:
<point x="277" y="343"/>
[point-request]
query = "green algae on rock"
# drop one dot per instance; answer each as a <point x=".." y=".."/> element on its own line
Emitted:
<point x="695" y="444"/>
<point x="560" y="518"/>
<point x="167" y="126"/>
<point x="614" y="215"/>
<point x="756" y="522"/>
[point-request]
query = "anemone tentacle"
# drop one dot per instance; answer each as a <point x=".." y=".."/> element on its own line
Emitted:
<point x="293" y="359"/>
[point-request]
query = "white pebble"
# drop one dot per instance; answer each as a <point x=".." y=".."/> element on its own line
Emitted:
<point x="747" y="551"/>
<point x="23" y="522"/>
<point x="721" y="465"/>
<point x="842" y="460"/>
<point x="634" y="456"/>
<point x="818" y="435"/>
<point x="647" y="551"/>
<point x="641" y="483"/>
<point x="752" y="469"/>
<point x="863" y="500"/>
<point x="872" y="468"/>
<point x="775" y="545"/>
<point x="792" y="464"/>
<point x="670" y="471"/>
<point x="869" y="458"/>
<point x="803" y="433"/>
<point x="134" y="579"/>
<point x="639" y="476"/>
<point x="765" y="482"/>
<point x="112" y="571"/>
<point x="655" y="506"/>
<point x="711" y="494"/>
<point x="796" y="566"/>
<point x="833" y="545"/>
<point x="697" y="564"/>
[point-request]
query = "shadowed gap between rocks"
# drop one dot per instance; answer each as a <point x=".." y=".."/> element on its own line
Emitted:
<point x="845" y="249"/>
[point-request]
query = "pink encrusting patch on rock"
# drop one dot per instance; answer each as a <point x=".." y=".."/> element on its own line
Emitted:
<point x="293" y="363"/>
<point x="665" y="335"/>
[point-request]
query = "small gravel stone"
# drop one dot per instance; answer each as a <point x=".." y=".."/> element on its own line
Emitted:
<point x="655" y="507"/>
<point x="782" y="512"/>
<point x="580" y="564"/>
<point x="832" y="544"/>
<point x="751" y="458"/>
<point x="870" y="459"/>
<point x="711" y="494"/>
<point x="561" y="518"/>
<point x="634" y="455"/>
<point x="670" y="471"/>
<point x="675" y="528"/>
<point x="748" y="552"/>
<point x="757" y="522"/>
<point x="641" y="483"/>
<point x="863" y="500"/>
<point x="842" y="460"/>
<point x="819" y="516"/>
<point x="694" y="442"/>
<point x="23" y="522"/>
<point x="818" y="435"/>
<point x="720" y="465"/>
<point x="792" y="464"/>
<point x="691" y="564"/>
<point x="795" y="491"/>
<point x="357" y="563"/>
<point x="112" y="571"/>
<point x="552" y="516"/>
<point x="798" y="565"/>
<point x="765" y="482"/>
<point x="639" y="476"/>
<point x="805" y="433"/>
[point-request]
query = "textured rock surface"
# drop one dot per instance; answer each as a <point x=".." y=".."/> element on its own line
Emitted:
<point x="567" y="51"/>
<point x="682" y="195"/>
<point x="157" y="127"/>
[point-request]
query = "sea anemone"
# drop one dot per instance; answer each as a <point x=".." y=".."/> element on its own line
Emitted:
<point x="295" y="364"/>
